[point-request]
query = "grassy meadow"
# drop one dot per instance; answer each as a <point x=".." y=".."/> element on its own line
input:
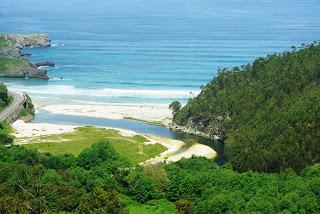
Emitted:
<point x="131" y="148"/>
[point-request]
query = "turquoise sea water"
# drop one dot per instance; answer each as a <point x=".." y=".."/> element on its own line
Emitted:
<point x="151" y="51"/>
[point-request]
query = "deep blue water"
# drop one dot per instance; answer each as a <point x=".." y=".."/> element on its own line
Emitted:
<point x="151" y="51"/>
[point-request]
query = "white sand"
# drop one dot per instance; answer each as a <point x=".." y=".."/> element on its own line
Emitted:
<point x="172" y="154"/>
<point x="154" y="113"/>
<point x="26" y="130"/>
<point x="23" y="129"/>
<point x="29" y="130"/>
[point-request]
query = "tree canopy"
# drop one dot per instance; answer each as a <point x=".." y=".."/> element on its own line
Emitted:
<point x="267" y="111"/>
<point x="34" y="182"/>
<point x="4" y="97"/>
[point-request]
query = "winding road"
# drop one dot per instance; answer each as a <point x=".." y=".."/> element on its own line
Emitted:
<point x="18" y="99"/>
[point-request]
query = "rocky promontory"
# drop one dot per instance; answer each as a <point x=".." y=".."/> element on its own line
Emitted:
<point x="45" y="63"/>
<point x="11" y="62"/>
<point x="204" y="129"/>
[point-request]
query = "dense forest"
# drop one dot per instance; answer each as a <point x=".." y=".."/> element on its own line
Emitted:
<point x="268" y="112"/>
<point x="99" y="181"/>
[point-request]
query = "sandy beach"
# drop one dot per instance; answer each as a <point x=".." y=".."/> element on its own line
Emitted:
<point x="173" y="146"/>
<point x="151" y="113"/>
<point x="28" y="130"/>
<point x="25" y="130"/>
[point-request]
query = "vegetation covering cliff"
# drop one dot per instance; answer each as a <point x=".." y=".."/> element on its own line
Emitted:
<point x="28" y="113"/>
<point x="267" y="112"/>
<point x="11" y="63"/>
<point x="5" y="99"/>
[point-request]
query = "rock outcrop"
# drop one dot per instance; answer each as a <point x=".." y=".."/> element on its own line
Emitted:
<point x="204" y="128"/>
<point x="45" y="63"/>
<point x="20" y="68"/>
<point x="11" y="62"/>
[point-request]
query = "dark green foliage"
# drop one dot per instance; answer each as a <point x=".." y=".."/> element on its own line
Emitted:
<point x="175" y="106"/>
<point x="5" y="137"/>
<point x="213" y="189"/>
<point x="100" y="201"/>
<point x="28" y="113"/>
<point x="4" y="97"/>
<point x="267" y="111"/>
<point x="33" y="182"/>
<point x="141" y="187"/>
<point x="96" y="155"/>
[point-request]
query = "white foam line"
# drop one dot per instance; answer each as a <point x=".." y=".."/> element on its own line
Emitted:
<point x="108" y="92"/>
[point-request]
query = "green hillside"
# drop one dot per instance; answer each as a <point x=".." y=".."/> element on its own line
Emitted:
<point x="8" y="64"/>
<point x="267" y="112"/>
<point x="6" y="42"/>
<point x="99" y="180"/>
<point x="11" y="62"/>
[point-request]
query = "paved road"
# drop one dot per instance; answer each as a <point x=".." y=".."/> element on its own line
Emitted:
<point x="18" y="99"/>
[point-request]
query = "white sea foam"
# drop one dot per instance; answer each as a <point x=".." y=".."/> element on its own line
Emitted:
<point x="108" y="92"/>
<point x="55" y="45"/>
<point x="66" y="66"/>
<point x="57" y="79"/>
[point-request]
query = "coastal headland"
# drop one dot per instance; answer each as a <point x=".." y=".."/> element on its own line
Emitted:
<point x="12" y="63"/>
<point x="38" y="134"/>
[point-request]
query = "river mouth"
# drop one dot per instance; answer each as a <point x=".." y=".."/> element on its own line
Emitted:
<point x="140" y="127"/>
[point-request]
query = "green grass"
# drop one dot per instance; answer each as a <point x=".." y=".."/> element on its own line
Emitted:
<point x="5" y="42"/>
<point x="159" y="206"/>
<point x="9" y="62"/>
<point x="23" y="113"/>
<point x="34" y="38"/>
<point x="131" y="148"/>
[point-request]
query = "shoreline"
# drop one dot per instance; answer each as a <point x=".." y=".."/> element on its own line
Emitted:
<point x="172" y="154"/>
<point x="153" y="114"/>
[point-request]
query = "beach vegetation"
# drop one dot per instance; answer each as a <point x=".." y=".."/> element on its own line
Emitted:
<point x="133" y="148"/>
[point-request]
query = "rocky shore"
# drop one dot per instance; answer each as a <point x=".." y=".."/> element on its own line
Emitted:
<point x="45" y="63"/>
<point x="202" y="129"/>
<point x="11" y="62"/>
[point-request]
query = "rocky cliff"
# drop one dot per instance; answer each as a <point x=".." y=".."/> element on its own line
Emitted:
<point x="208" y="128"/>
<point x="11" y="62"/>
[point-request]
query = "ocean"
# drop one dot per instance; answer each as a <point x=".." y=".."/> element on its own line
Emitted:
<point x="150" y="51"/>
